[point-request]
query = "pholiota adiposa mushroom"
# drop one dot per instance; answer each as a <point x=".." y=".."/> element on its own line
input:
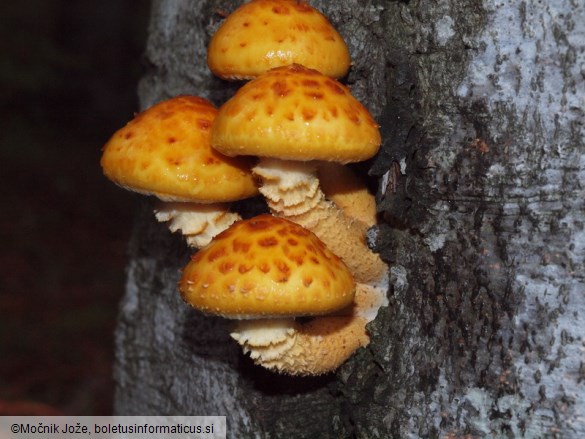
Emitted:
<point x="264" y="272"/>
<point x="292" y="118"/>
<point x="263" y="34"/>
<point x="165" y="151"/>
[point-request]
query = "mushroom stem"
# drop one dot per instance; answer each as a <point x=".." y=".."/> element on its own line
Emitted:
<point x="291" y="189"/>
<point x="312" y="348"/>
<point x="342" y="186"/>
<point x="199" y="223"/>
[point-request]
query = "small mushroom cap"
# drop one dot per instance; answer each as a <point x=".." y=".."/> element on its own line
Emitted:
<point x="296" y="113"/>
<point x="165" y="151"/>
<point x="264" y="34"/>
<point x="266" y="267"/>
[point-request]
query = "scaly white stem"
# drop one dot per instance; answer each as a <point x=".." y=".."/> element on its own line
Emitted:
<point x="292" y="191"/>
<point x="313" y="348"/>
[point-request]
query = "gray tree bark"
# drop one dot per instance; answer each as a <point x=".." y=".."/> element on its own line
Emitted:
<point x="482" y="218"/>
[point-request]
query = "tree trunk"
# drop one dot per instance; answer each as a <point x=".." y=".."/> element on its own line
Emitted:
<point x="482" y="218"/>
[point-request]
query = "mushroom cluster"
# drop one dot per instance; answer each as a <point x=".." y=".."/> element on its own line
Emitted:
<point x="309" y="258"/>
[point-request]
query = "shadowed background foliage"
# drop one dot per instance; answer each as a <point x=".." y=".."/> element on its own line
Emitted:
<point x="68" y="75"/>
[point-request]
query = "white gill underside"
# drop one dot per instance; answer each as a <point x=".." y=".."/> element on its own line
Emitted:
<point x="290" y="188"/>
<point x="199" y="223"/>
<point x="282" y="343"/>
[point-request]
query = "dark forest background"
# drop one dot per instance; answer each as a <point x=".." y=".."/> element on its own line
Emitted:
<point x="68" y="76"/>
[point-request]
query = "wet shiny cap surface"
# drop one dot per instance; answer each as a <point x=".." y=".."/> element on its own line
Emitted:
<point x="266" y="267"/>
<point x="296" y="113"/>
<point x="165" y="151"/>
<point x="264" y="34"/>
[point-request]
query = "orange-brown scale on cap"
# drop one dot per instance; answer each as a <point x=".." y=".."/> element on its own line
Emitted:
<point x="165" y="151"/>
<point x="266" y="266"/>
<point x="300" y="115"/>
<point x="264" y="34"/>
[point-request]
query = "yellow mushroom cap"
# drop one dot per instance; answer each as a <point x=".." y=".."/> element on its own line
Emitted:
<point x="264" y="34"/>
<point x="165" y="151"/>
<point x="296" y="113"/>
<point x="266" y="267"/>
